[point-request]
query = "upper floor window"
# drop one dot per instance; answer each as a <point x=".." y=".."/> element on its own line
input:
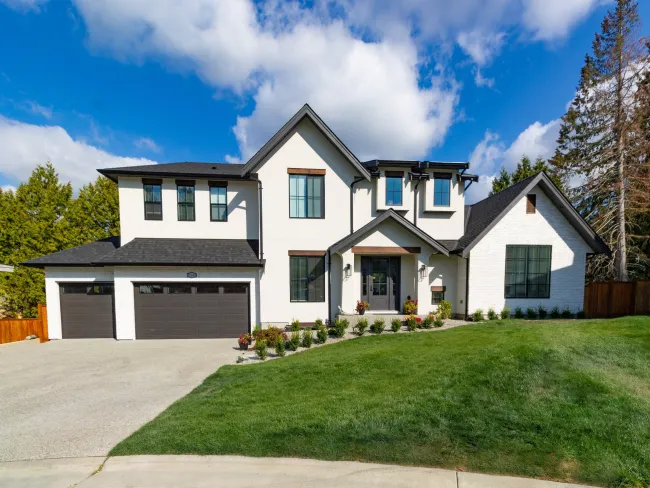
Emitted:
<point x="441" y="189"/>
<point x="528" y="272"/>
<point x="306" y="196"/>
<point x="185" y="192"/>
<point x="152" y="199"/>
<point x="307" y="278"/>
<point x="394" y="185"/>
<point x="218" y="202"/>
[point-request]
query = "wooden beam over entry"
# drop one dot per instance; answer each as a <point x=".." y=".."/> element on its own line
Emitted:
<point x="385" y="250"/>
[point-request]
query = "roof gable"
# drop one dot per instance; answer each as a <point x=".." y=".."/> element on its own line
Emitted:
<point x="389" y="214"/>
<point x="484" y="215"/>
<point x="305" y="112"/>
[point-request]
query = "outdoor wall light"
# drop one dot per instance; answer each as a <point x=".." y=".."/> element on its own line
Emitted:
<point x="348" y="270"/>
<point x="423" y="271"/>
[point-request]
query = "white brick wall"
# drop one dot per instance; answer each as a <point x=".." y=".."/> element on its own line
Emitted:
<point x="546" y="227"/>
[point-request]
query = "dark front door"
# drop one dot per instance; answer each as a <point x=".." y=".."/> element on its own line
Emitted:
<point x="380" y="283"/>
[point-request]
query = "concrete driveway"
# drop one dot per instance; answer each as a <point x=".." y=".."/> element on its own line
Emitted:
<point x="76" y="398"/>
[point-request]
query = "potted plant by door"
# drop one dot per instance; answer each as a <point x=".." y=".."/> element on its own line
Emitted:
<point x="362" y="307"/>
<point x="244" y="341"/>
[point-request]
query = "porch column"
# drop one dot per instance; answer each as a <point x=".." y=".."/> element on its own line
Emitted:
<point x="422" y="283"/>
<point x="349" y="289"/>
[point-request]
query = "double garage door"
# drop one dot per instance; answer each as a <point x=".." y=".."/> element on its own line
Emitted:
<point x="162" y="310"/>
<point x="191" y="310"/>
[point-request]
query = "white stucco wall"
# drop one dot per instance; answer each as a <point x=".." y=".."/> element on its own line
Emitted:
<point x="443" y="271"/>
<point x="243" y="222"/>
<point x="54" y="276"/>
<point x="306" y="147"/>
<point x="546" y="227"/>
<point x="125" y="277"/>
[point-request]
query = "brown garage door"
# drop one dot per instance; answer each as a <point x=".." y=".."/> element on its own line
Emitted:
<point x="87" y="310"/>
<point x="191" y="310"/>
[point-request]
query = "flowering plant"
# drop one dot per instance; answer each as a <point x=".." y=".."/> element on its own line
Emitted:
<point x="244" y="339"/>
<point x="410" y="307"/>
<point x="362" y="306"/>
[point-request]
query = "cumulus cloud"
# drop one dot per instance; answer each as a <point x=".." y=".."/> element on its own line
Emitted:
<point x="553" y="19"/>
<point x="26" y="145"/>
<point x="481" y="47"/>
<point x="147" y="143"/>
<point x="6" y="188"/>
<point x="24" y="5"/>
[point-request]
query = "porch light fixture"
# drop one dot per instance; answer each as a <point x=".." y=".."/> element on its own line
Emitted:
<point x="423" y="271"/>
<point x="348" y="270"/>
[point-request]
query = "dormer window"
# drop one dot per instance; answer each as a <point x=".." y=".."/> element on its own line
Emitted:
<point x="441" y="189"/>
<point x="394" y="186"/>
<point x="152" y="199"/>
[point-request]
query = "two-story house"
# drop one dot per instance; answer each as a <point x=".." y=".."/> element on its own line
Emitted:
<point x="302" y="231"/>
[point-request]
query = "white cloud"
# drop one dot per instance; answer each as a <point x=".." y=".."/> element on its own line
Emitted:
<point x="481" y="81"/>
<point x="38" y="109"/>
<point x="7" y="188"/>
<point x="25" y="145"/>
<point x="481" y="47"/>
<point x="147" y="143"/>
<point x="24" y="5"/>
<point x="550" y="20"/>
<point x="491" y="154"/>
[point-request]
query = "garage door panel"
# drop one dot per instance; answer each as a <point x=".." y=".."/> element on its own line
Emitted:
<point x="87" y="310"/>
<point x="211" y="310"/>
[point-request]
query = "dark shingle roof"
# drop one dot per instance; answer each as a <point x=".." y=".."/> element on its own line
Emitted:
<point x="186" y="169"/>
<point x="77" y="256"/>
<point x="166" y="252"/>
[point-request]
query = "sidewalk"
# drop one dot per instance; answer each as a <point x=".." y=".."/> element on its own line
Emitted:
<point x="241" y="472"/>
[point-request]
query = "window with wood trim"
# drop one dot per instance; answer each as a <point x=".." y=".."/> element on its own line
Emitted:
<point x="528" y="272"/>
<point x="218" y="203"/>
<point x="437" y="296"/>
<point x="531" y="203"/>
<point x="185" y="202"/>
<point x="152" y="201"/>
<point x="306" y="196"/>
<point x="441" y="189"/>
<point x="307" y="278"/>
<point x="394" y="186"/>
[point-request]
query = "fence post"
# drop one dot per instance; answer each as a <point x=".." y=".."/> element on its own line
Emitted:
<point x="42" y="318"/>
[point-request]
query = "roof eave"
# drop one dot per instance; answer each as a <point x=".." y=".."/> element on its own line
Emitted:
<point x="113" y="175"/>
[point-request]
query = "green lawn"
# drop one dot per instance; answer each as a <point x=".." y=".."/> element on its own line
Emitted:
<point x="563" y="400"/>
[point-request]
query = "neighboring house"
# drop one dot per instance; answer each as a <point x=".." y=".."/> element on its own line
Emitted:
<point x="4" y="268"/>
<point x="302" y="231"/>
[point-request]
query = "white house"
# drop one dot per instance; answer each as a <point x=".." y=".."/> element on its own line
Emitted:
<point x="302" y="231"/>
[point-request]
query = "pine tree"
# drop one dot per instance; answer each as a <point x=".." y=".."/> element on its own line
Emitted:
<point x="524" y="170"/>
<point x="95" y="213"/>
<point x="593" y="154"/>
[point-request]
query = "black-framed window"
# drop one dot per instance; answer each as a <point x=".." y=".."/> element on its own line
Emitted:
<point x="185" y="194"/>
<point x="87" y="289"/>
<point x="437" y="297"/>
<point x="306" y="196"/>
<point x="528" y="272"/>
<point x="307" y="275"/>
<point x="441" y="189"/>
<point x="218" y="203"/>
<point x="152" y="201"/>
<point x="394" y="186"/>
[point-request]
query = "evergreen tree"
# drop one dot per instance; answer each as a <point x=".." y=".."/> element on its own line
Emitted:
<point x="95" y="213"/>
<point x="524" y="170"/>
<point x="597" y="133"/>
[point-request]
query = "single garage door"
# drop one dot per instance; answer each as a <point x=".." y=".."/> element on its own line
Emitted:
<point x="87" y="310"/>
<point x="191" y="310"/>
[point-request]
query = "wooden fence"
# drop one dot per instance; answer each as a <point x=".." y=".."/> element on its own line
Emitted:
<point x="617" y="298"/>
<point x="12" y="330"/>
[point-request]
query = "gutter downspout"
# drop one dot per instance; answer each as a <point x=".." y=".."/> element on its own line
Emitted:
<point x="357" y="179"/>
<point x="415" y="203"/>
<point x="259" y="198"/>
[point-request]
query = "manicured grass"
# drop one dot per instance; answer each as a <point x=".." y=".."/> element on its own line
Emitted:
<point x="564" y="400"/>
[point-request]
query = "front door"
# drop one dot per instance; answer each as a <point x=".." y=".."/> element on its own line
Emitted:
<point x="380" y="283"/>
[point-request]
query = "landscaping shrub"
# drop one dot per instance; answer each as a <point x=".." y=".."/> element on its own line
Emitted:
<point x="519" y="313"/>
<point x="280" y="349"/>
<point x="294" y="342"/>
<point x="492" y="315"/>
<point x="580" y="314"/>
<point x="340" y="327"/>
<point x="270" y="335"/>
<point x="567" y="313"/>
<point x="395" y="325"/>
<point x="411" y="323"/>
<point x="531" y="313"/>
<point x="261" y="349"/>
<point x="307" y="338"/>
<point x="361" y="307"/>
<point x="477" y="316"/>
<point x="410" y="307"/>
<point x="444" y="310"/>
<point x="318" y="324"/>
<point x="555" y="312"/>
<point x="321" y="335"/>
<point x="427" y="322"/>
<point x="295" y="325"/>
<point x="505" y="313"/>
<point x="438" y="322"/>
<point x="361" y="327"/>
<point x="378" y="326"/>
<point x="542" y="312"/>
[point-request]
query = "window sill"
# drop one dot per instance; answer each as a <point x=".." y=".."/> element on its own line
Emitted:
<point x="447" y="210"/>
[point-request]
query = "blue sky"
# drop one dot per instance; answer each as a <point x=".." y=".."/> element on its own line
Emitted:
<point x="93" y="83"/>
